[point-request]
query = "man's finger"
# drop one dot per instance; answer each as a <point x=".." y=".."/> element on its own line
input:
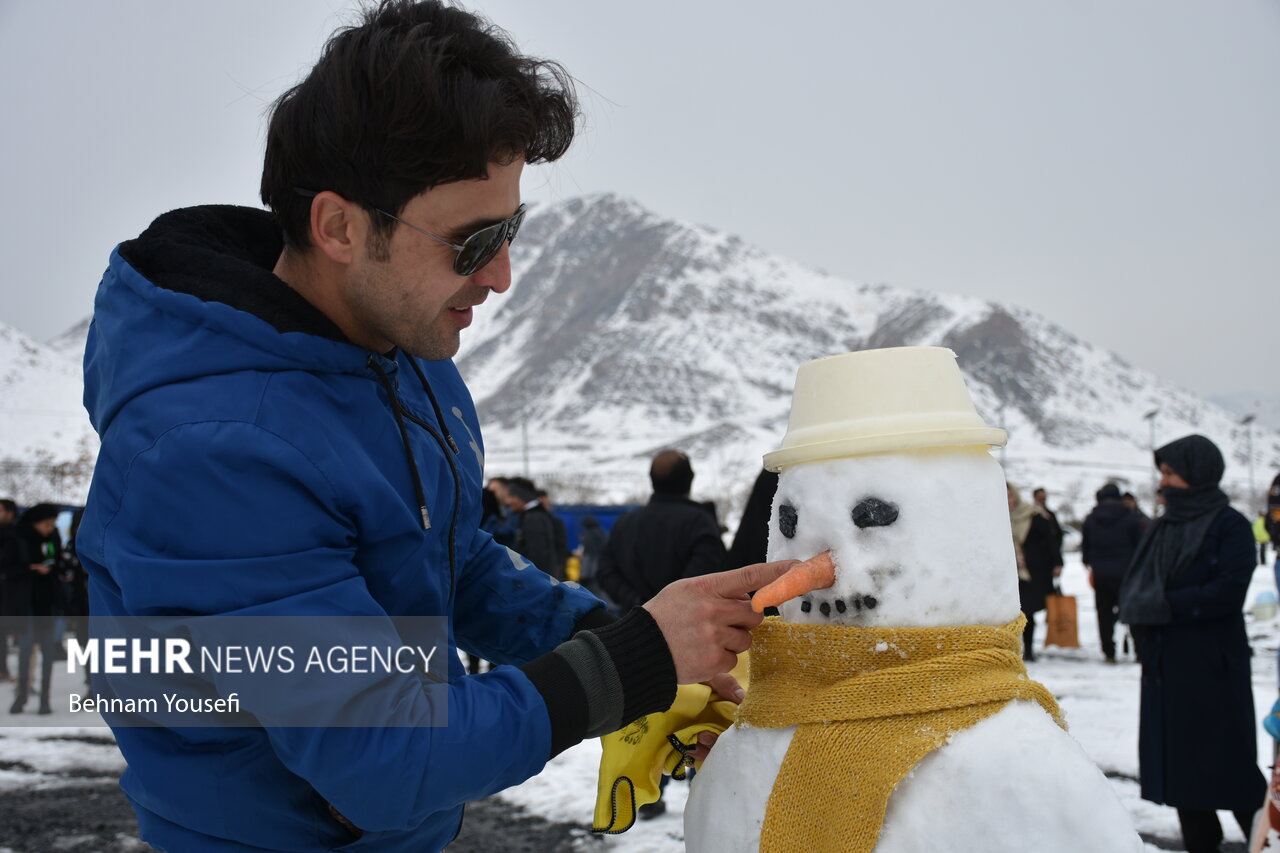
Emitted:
<point x="738" y="582"/>
<point x="727" y="687"/>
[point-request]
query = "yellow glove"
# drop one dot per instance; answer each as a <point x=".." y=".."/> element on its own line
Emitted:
<point x="636" y="757"/>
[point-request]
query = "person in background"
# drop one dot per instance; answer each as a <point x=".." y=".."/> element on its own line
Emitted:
<point x="1131" y="502"/>
<point x="1261" y="536"/>
<point x="1042" y="557"/>
<point x="1020" y="523"/>
<point x="1045" y="539"/>
<point x="592" y="540"/>
<point x="8" y="568"/>
<point x="1273" y="520"/>
<point x="537" y="539"/>
<point x="39" y="556"/>
<point x="561" y="530"/>
<point x="669" y="538"/>
<point x="1110" y="538"/>
<point x="1183" y="599"/>
<point x="500" y="522"/>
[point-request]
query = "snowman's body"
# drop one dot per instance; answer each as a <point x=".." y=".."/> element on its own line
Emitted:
<point x="919" y="539"/>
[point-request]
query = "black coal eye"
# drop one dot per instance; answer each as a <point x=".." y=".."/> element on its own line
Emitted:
<point x="787" y="518"/>
<point x="874" y="512"/>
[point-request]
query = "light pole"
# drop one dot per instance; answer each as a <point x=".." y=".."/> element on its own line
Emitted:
<point x="524" y="444"/>
<point x="1004" y="426"/>
<point x="1247" y="423"/>
<point x="1150" y="418"/>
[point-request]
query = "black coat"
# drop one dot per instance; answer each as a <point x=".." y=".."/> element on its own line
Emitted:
<point x="9" y="565"/>
<point x="1273" y="512"/>
<point x="667" y="539"/>
<point x="29" y="592"/>
<point x="542" y="538"/>
<point x="1042" y="550"/>
<point x="1111" y="535"/>
<point x="1197" y="741"/>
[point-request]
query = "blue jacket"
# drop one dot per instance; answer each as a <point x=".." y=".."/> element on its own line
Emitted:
<point x="252" y="462"/>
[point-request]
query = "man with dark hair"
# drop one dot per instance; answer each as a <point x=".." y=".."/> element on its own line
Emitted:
<point x="671" y="537"/>
<point x="540" y="536"/>
<point x="1110" y="538"/>
<point x="294" y="365"/>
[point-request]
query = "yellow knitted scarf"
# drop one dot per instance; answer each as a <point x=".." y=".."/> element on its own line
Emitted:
<point x="869" y="704"/>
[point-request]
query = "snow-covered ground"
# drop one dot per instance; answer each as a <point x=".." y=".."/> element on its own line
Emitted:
<point x="1100" y="701"/>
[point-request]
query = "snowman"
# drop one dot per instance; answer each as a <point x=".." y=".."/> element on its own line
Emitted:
<point x="888" y="707"/>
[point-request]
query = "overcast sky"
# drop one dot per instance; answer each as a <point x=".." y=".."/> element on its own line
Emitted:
<point x="1111" y="164"/>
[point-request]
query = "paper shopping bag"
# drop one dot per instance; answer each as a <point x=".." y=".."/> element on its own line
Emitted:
<point x="1061" y="620"/>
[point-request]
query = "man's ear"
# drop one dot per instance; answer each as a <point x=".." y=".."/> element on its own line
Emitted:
<point x="338" y="227"/>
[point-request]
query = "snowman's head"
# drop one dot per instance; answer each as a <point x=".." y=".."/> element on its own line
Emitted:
<point x="918" y="538"/>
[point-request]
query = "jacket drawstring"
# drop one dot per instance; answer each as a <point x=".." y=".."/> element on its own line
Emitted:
<point x="426" y="386"/>
<point x="418" y="491"/>
<point x="403" y="414"/>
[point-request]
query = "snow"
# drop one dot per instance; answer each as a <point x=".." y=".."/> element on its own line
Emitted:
<point x="946" y="560"/>
<point x="931" y="549"/>
<point x="42" y="422"/>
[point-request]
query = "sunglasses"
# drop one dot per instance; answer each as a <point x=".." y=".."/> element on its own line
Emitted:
<point x="478" y="249"/>
<point x="473" y="252"/>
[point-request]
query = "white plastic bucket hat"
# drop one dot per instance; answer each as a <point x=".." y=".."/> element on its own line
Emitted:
<point x="879" y="401"/>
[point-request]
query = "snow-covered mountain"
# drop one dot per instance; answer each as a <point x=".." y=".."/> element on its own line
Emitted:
<point x="47" y="447"/>
<point x="625" y="332"/>
<point x="70" y="344"/>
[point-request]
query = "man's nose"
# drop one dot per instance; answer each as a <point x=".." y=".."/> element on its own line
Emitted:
<point x="496" y="275"/>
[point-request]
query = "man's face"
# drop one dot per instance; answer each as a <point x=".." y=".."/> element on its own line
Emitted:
<point x="413" y="299"/>
<point x="1039" y="496"/>
<point x="500" y="492"/>
<point x="44" y="526"/>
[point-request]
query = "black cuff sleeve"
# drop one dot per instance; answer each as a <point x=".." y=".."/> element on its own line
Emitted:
<point x="564" y="697"/>
<point x="636" y="677"/>
<point x="597" y="618"/>
<point x="639" y="652"/>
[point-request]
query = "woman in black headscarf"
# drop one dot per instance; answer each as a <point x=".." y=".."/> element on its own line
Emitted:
<point x="1183" y="597"/>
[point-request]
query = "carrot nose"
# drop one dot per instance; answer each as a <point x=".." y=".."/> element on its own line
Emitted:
<point x="814" y="573"/>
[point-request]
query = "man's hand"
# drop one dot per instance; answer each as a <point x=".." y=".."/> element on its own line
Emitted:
<point x="706" y="620"/>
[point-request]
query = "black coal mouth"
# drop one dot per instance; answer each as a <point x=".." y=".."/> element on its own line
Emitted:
<point x="826" y="606"/>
